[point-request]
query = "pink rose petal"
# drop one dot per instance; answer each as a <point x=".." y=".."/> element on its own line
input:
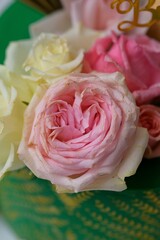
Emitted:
<point x="79" y="130"/>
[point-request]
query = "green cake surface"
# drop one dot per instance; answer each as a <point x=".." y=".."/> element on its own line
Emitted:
<point x="37" y="212"/>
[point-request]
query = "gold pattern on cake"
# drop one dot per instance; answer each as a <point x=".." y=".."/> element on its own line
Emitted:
<point x="116" y="217"/>
<point x="126" y="207"/>
<point x="105" y="227"/>
<point x="146" y="208"/>
<point x="70" y="235"/>
<point x="137" y="10"/>
<point x="153" y="198"/>
<point x="97" y="215"/>
<point x="75" y="201"/>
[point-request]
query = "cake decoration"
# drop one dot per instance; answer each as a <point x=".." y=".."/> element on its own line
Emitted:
<point x="80" y="114"/>
<point x="138" y="9"/>
<point x="89" y="97"/>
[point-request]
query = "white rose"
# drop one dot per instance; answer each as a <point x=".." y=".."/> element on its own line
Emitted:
<point x="50" y="56"/>
<point x="11" y="121"/>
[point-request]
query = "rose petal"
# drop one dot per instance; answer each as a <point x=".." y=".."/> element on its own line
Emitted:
<point x="49" y="24"/>
<point x="132" y="160"/>
<point x="13" y="51"/>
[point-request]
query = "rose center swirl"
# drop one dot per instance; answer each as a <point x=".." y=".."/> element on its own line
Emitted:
<point x="74" y="117"/>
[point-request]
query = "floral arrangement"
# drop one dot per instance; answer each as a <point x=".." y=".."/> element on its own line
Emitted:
<point x="80" y="107"/>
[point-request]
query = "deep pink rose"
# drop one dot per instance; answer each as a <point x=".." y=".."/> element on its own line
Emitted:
<point x="137" y="57"/>
<point x="82" y="134"/>
<point x="150" y="119"/>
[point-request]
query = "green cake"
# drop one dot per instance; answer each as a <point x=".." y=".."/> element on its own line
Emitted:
<point x="36" y="211"/>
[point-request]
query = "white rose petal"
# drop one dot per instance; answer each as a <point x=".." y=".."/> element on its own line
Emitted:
<point x="49" y="24"/>
<point x="11" y="121"/>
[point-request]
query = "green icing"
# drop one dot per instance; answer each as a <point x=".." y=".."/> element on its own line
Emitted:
<point x="36" y="211"/>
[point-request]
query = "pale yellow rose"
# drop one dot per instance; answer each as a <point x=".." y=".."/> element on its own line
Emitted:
<point x="24" y="86"/>
<point x="49" y="56"/>
<point x="11" y="121"/>
<point x="45" y="58"/>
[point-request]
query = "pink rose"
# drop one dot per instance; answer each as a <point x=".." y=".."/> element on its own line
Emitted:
<point x="103" y="14"/>
<point x="150" y="119"/>
<point x="137" y="57"/>
<point x="93" y="14"/>
<point x="97" y="15"/>
<point x="81" y="133"/>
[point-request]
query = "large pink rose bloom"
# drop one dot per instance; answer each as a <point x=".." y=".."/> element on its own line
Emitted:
<point x="150" y="119"/>
<point x="137" y="57"/>
<point x="81" y="133"/>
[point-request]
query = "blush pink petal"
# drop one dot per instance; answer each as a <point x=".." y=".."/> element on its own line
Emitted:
<point x="92" y="13"/>
<point x="98" y="14"/>
<point x="79" y="130"/>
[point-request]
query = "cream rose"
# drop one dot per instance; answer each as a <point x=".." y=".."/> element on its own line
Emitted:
<point x="11" y="121"/>
<point x="44" y="59"/>
<point x="81" y="133"/>
<point x="49" y="56"/>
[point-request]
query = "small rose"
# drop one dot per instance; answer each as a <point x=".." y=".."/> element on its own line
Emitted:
<point x="11" y="121"/>
<point x="137" y="57"/>
<point x="81" y="133"/>
<point x="150" y="119"/>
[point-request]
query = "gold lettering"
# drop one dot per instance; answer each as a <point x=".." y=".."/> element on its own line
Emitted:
<point x="125" y="6"/>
